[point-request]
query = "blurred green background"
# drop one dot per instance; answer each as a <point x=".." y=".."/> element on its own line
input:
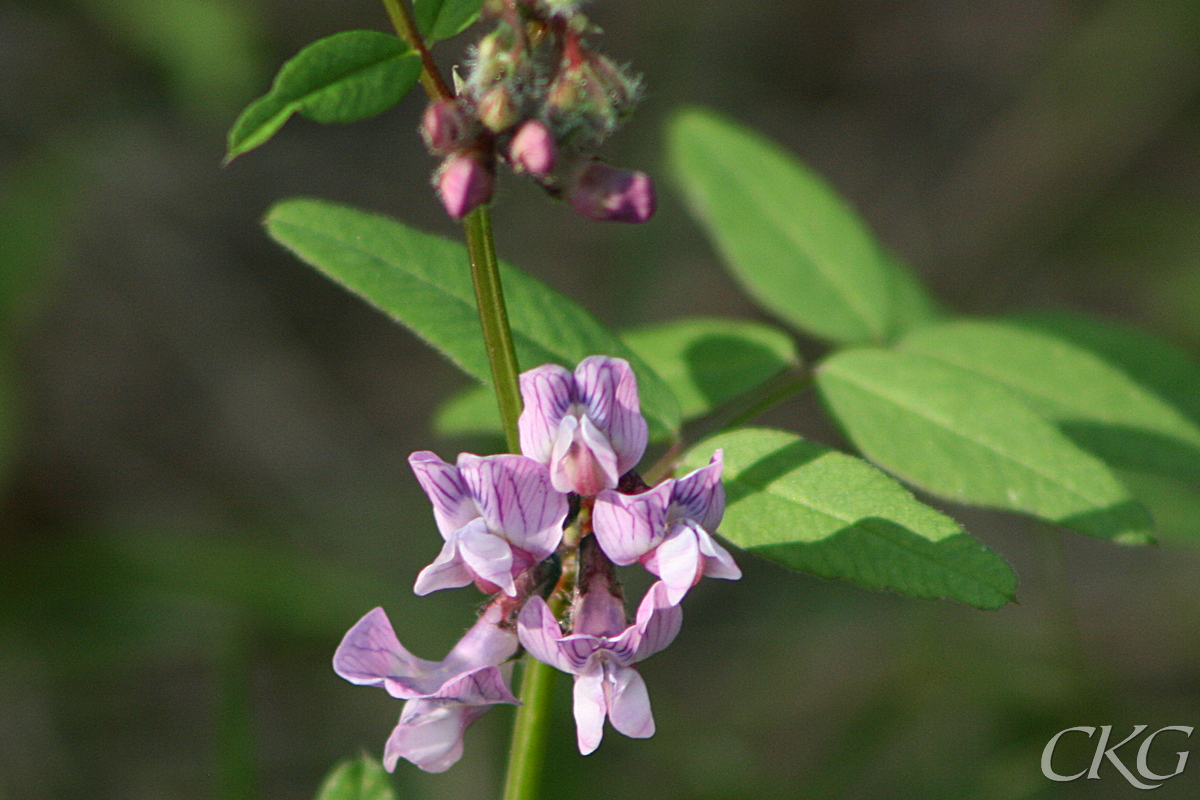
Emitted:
<point x="202" y="442"/>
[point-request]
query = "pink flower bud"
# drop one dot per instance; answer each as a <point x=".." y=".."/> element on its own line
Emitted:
<point x="444" y="127"/>
<point x="464" y="181"/>
<point x="533" y="149"/>
<point x="601" y="192"/>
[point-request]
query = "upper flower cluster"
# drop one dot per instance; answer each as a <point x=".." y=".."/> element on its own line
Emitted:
<point x="538" y="97"/>
<point x="502" y="518"/>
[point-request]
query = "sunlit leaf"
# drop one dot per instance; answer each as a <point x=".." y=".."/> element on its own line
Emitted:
<point x="424" y="282"/>
<point x="969" y="439"/>
<point x="441" y="19"/>
<point x="471" y="412"/>
<point x="818" y="510"/>
<point x="1096" y="404"/>
<point x="342" y="78"/>
<point x="362" y="778"/>
<point x="789" y="238"/>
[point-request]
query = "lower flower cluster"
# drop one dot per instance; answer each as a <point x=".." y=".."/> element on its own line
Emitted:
<point x="550" y="524"/>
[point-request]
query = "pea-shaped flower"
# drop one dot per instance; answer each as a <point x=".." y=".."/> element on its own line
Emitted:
<point x="586" y="426"/>
<point x="600" y="653"/>
<point x="444" y="697"/>
<point x="668" y="529"/>
<point x="499" y="516"/>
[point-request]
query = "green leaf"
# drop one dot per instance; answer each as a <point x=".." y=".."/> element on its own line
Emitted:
<point x="912" y="305"/>
<point x="1175" y="506"/>
<point x="968" y="439"/>
<point x="471" y="412"/>
<point x="1096" y="404"/>
<point x="788" y="237"/>
<point x="342" y="78"/>
<point x="441" y="19"/>
<point x="1164" y="369"/>
<point x="707" y="361"/>
<point x="817" y="510"/>
<point x="362" y="778"/>
<point x="424" y="282"/>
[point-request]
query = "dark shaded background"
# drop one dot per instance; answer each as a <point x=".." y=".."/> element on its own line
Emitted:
<point x="203" y="442"/>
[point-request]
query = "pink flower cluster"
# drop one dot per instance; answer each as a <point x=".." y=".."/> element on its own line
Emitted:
<point x="502" y="519"/>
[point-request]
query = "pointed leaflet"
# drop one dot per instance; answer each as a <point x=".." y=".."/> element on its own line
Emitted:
<point x="971" y="440"/>
<point x="424" y="282"/>
<point x="342" y="78"/>
<point x="1100" y="407"/>
<point x="792" y="242"/>
<point x="441" y="19"/>
<point x="821" y="511"/>
<point x="705" y="361"/>
<point x="360" y="779"/>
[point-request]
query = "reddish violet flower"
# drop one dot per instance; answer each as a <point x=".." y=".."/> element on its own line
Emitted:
<point x="464" y="181"/>
<point x="533" y="149"/>
<point x="499" y="516"/>
<point x="605" y="193"/>
<point x="600" y="653"/>
<point x="668" y="529"/>
<point x="443" y="697"/>
<point x="587" y="426"/>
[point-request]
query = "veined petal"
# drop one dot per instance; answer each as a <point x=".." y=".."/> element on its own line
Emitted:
<point x="452" y="504"/>
<point x="608" y="389"/>
<point x="676" y="561"/>
<point x="539" y="632"/>
<point x="485" y="644"/>
<point x="514" y="495"/>
<point x="628" y="526"/>
<point x="658" y="622"/>
<point x="604" y="472"/>
<point x="548" y="392"/>
<point x="370" y="653"/>
<point x="578" y="648"/>
<point x="699" y="495"/>
<point x="479" y="687"/>
<point x="598" y="612"/>
<point x="574" y="466"/>
<point x="488" y="556"/>
<point x="629" y="702"/>
<point x="591" y="707"/>
<point x="718" y="563"/>
<point x="448" y="571"/>
<point x="429" y="735"/>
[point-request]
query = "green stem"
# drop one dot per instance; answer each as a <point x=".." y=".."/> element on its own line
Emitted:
<point x="497" y="336"/>
<point x="431" y="77"/>
<point x="528" y="749"/>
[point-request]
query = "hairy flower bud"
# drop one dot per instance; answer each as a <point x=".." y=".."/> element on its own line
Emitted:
<point x="497" y="110"/>
<point x="533" y="149"/>
<point x="444" y="127"/>
<point x="604" y="193"/>
<point x="464" y="182"/>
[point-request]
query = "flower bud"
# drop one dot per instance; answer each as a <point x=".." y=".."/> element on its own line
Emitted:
<point x="604" y="193"/>
<point x="533" y="149"/>
<point x="497" y="109"/>
<point x="444" y="127"/>
<point x="464" y="181"/>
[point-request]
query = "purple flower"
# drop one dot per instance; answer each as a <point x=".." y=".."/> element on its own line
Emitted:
<point x="587" y="426"/>
<point x="668" y="529"/>
<point x="499" y="516"/>
<point x="605" y="193"/>
<point x="600" y="653"/>
<point x="464" y="181"/>
<point x="443" y="697"/>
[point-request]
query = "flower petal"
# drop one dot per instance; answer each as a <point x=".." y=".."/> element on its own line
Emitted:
<point x="590" y="708"/>
<point x="699" y="495"/>
<point x="676" y="561"/>
<point x="430" y="735"/>
<point x="628" y="526"/>
<point x="629" y="703"/>
<point x="485" y="644"/>
<point x="608" y="389"/>
<point x="718" y="563"/>
<point x="658" y="622"/>
<point x="515" y="497"/>
<point x="488" y="556"/>
<point x="539" y="632"/>
<point x="452" y="505"/>
<point x="448" y="571"/>
<point x="597" y="451"/>
<point x="548" y="392"/>
<point x="370" y="653"/>
<point x="479" y="687"/>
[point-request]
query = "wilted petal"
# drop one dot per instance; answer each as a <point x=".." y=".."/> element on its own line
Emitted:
<point x="452" y="503"/>
<point x="448" y="571"/>
<point x="699" y="495"/>
<point x="370" y="653"/>
<point x="548" y="392"/>
<point x="629" y="526"/>
<point x="608" y="386"/>
<point x="488" y="556"/>
<point x="677" y="561"/>
<point x="629" y="703"/>
<point x="590" y="708"/>
<point x="514" y="495"/>
<point x="430" y="735"/>
<point x="538" y="631"/>
<point x="718" y="563"/>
